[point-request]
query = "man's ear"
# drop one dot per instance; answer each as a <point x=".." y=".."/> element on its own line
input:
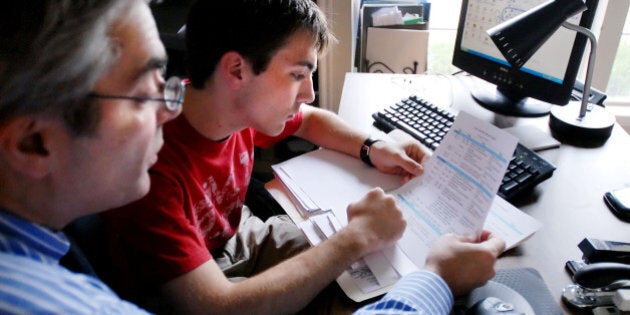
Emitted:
<point x="23" y="146"/>
<point x="234" y="69"/>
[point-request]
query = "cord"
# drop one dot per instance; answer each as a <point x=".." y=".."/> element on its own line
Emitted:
<point x="405" y="70"/>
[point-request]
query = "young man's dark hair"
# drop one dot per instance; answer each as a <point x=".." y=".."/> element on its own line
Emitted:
<point x="257" y="29"/>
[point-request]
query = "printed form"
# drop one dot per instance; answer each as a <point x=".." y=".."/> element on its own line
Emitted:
<point x="457" y="189"/>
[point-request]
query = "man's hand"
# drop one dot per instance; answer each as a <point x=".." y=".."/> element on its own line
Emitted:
<point x="376" y="221"/>
<point x="463" y="263"/>
<point x="402" y="158"/>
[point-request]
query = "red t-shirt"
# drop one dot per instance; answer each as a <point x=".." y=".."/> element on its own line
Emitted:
<point x="197" y="193"/>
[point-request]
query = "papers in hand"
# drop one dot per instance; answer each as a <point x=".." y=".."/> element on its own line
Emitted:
<point x="457" y="193"/>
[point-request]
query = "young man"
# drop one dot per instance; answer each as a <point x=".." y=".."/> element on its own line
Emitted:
<point x="78" y="134"/>
<point x="250" y="77"/>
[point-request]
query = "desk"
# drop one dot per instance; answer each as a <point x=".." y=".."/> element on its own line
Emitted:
<point x="569" y="204"/>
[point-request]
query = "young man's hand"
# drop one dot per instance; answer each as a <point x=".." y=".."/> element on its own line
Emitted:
<point x="403" y="158"/>
<point x="376" y="221"/>
<point x="464" y="263"/>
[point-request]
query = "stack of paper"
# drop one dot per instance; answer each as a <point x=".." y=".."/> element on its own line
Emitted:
<point x="298" y="196"/>
<point x="325" y="180"/>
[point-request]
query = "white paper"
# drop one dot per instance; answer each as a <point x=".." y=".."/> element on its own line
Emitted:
<point x="513" y="225"/>
<point x="458" y="186"/>
<point x="332" y="180"/>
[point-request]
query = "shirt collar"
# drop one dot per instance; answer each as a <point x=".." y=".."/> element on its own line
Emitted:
<point x="24" y="238"/>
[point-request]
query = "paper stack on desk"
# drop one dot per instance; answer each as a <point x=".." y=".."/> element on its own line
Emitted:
<point x="457" y="193"/>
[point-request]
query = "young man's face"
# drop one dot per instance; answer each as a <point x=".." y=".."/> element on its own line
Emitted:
<point x="110" y="168"/>
<point x="276" y="94"/>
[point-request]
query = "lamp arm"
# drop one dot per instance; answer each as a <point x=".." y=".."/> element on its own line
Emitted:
<point x="591" y="62"/>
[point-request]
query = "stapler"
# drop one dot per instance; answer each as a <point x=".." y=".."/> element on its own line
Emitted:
<point x="599" y="284"/>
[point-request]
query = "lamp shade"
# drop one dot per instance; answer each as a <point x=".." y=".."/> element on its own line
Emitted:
<point x="520" y="37"/>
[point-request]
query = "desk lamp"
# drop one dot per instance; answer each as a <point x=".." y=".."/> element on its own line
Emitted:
<point x="520" y="37"/>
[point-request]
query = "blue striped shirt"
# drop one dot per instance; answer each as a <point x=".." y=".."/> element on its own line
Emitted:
<point x="33" y="282"/>
<point x="420" y="292"/>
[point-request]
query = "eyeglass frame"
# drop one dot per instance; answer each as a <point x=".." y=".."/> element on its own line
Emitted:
<point x="174" y="84"/>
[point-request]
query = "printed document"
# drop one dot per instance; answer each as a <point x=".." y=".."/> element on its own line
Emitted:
<point x="458" y="186"/>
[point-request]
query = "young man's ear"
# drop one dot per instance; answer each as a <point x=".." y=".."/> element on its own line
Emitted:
<point x="23" y="146"/>
<point x="234" y="69"/>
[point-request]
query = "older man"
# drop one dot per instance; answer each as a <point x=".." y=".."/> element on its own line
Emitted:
<point x="81" y="113"/>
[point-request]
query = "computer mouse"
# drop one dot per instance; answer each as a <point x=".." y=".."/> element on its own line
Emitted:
<point x="492" y="305"/>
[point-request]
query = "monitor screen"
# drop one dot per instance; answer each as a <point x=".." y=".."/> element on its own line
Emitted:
<point x="546" y="79"/>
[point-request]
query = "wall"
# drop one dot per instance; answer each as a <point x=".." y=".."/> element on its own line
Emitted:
<point x="340" y="57"/>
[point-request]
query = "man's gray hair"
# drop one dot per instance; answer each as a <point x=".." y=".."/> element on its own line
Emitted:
<point x="52" y="52"/>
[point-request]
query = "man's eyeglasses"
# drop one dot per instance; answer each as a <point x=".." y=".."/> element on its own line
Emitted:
<point x="173" y="94"/>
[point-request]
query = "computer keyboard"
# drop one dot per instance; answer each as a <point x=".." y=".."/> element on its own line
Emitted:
<point x="429" y="124"/>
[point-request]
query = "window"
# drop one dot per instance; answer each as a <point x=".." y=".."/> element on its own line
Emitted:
<point x="443" y="27"/>
<point x="619" y="83"/>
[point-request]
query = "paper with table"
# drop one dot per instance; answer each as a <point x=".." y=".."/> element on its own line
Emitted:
<point x="457" y="193"/>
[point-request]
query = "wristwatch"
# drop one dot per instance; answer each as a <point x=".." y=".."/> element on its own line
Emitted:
<point x="365" y="151"/>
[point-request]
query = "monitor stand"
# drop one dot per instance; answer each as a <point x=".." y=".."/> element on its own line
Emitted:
<point x="508" y="103"/>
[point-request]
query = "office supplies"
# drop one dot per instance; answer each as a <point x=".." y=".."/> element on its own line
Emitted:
<point x="533" y="137"/>
<point x="427" y="201"/>
<point x="596" y="285"/>
<point x="528" y="91"/>
<point x="602" y="274"/>
<point x="622" y="300"/>
<point x="597" y="250"/>
<point x="520" y="37"/>
<point x="572" y="266"/>
<point x="429" y="124"/>
<point x="618" y="201"/>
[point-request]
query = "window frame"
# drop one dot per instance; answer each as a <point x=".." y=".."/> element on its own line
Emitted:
<point x="611" y="17"/>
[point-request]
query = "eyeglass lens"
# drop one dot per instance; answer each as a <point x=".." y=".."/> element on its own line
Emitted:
<point x="174" y="93"/>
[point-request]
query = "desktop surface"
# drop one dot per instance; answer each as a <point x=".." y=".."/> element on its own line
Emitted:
<point x="569" y="204"/>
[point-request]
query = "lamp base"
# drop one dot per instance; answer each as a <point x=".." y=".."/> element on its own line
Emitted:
<point x="592" y="130"/>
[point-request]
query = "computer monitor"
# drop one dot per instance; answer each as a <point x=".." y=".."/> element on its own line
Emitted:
<point x="546" y="79"/>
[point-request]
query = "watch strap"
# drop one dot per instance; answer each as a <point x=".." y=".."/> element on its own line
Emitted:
<point x="365" y="151"/>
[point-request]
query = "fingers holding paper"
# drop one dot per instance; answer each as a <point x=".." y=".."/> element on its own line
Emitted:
<point x="464" y="263"/>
